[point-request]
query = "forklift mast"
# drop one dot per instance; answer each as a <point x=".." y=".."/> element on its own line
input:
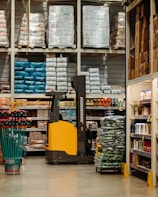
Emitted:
<point x="55" y="102"/>
<point x="78" y="83"/>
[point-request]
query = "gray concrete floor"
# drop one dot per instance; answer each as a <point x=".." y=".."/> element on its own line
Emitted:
<point x="39" y="179"/>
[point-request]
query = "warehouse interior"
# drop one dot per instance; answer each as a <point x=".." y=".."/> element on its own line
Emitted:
<point x="78" y="97"/>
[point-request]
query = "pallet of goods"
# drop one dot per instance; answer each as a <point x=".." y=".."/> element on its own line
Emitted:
<point x="95" y="27"/>
<point x="61" y="26"/>
<point x="4" y="42"/>
<point x="110" y="144"/>
<point x="118" y="31"/>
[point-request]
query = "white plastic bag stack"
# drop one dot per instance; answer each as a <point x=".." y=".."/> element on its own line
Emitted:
<point x="36" y="30"/>
<point x="118" y="31"/>
<point x="87" y="78"/>
<point x="23" y="39"/>
<point x="50" y="74"/>
<point x="95" y="26"/>
<point x="61" y="26"/>
<point x="71" y="72"/>
<point x="61" y="72"/>
<point x="94" y="80"/>
<point x="4" y="42"/>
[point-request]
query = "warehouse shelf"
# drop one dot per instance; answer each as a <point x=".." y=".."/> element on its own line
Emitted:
<point x="93" y="118"/>
<point x="133" y="4"/>
<point x="141" y="136"/>
<point x="122" y="96"/>
<point x="140" y="168"/>
<point x="28" y="149"/>
<point x="5" y="95"/>
<point x="66" y="50"/>
<point x="76" y="53"/>
<point x="104" y="107"/>
<point x="139" y="117"/>
<point x="45" y="50"/>
<point x="139" y="80"/>
<point x="4" y="50"/>
<point x="38" y="118"/>
<point x="142" y="153"/>
<point x="35" y="129"/>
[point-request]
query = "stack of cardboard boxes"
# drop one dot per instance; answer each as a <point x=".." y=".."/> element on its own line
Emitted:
<point x="37" y="140"/>
<point x="139" y="64"/>
<point x="155" y="43"/>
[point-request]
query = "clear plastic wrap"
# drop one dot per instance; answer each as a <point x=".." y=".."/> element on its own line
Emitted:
<point x="61" y="26"/>
<point x="95" y="27"/>
<point x="4" y="41"/>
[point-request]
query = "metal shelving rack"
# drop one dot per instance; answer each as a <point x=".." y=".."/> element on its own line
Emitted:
<point x="134" y="86"/>
<point x="12" y="51"/>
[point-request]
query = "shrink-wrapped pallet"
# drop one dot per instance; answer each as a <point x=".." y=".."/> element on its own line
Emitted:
<point x="111" y="138"/>
<point x="95" y="27"/>
<point x="61" y="26"/>
<point x="36" y="30"/>
<point x="118" y="31"/>
<point x="4" y="42"/>
<point x="32" y="31"/>
<point x="23" y="39"/>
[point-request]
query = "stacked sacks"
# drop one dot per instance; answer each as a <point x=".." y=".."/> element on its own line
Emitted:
<point x="50" y="74"/>
<point x="29" y="77"/>
<point x="4" y="42"/>
<point x="24" y="32"/>
<point x="87" y="78"/>
<point x="118" y="31"/>
<point x="94" y="80"/>
<point x="71" y="72"/>
<point x="62" y="85"/>
<point x="36" y="30"/>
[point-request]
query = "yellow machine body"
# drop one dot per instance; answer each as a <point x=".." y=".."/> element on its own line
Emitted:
<point x="62" y="136"/>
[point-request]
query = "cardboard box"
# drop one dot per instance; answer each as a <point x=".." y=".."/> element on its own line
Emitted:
<point x="155" y="40"/>
<point x="155" y="23"/>
<point x="155" y="65"/>
<point x="131" y="62"/>
<point x="145" y="45"/>
<point x="138" y="12"/>
<point x="146" y="56"/>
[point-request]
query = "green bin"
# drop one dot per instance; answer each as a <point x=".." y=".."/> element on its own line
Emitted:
<point x="12" y="140"/>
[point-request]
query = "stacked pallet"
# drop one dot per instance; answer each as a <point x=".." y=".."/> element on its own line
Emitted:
<point x="29" y="77"/>
<point x="95" y="26"/>
<point x="4" y="42"/>
<point x="32" y="31"/>
<point x="110" y="144"/>
<point x="56" y="74"/>
<point x="61" y="26"/>
<point x="118" y="31"/>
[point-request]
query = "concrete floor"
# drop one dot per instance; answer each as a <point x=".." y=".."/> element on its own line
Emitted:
<point x="39" y="179"/>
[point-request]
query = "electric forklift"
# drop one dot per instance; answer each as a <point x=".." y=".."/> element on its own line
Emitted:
<point x="67" y="143"/>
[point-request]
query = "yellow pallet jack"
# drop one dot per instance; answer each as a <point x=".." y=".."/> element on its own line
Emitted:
<point x="67" y="143"/>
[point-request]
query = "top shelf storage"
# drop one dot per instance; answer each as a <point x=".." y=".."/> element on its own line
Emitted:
<point x="142" y="47"/>
<point x="37" y="33"/>
<point x="75" y="34"/>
